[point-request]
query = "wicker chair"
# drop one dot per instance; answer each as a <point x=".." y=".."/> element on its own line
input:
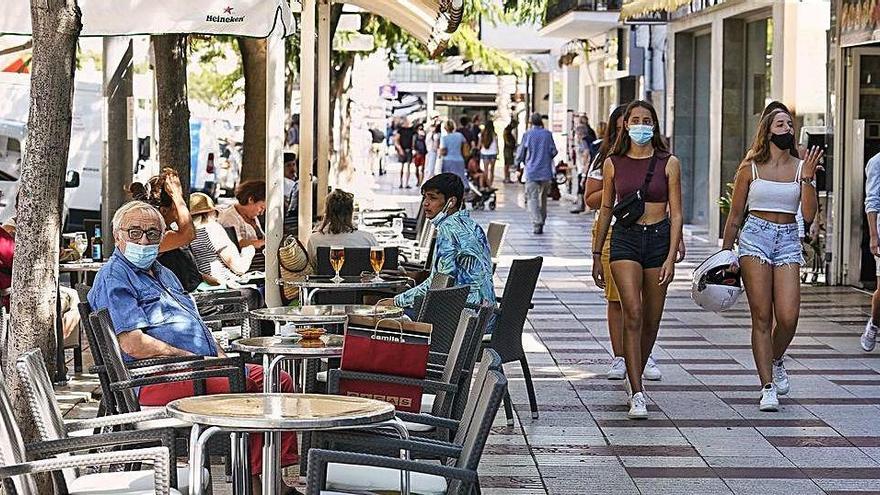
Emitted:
<point x="357" y="472"/>
<point x="226" y="310"/>
<point x="16" y="470"/>
<point x="442" y="308"/>
<point x="506" y="338"/>
<point x="51" y="427"/>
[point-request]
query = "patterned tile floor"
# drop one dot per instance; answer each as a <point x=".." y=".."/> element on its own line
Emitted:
<point x="705" y="434"/>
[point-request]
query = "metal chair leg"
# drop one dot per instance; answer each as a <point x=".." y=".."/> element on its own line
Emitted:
<point x="508" y="408"/>
<point x="530" y="387"/>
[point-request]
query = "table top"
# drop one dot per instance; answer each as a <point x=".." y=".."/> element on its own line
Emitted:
<point x="84" y="265"/>
<point x="349" y="283"/>
<point x="263" y="412"/>
<point x="337" y="313"/>
<point x="325" y="346"/>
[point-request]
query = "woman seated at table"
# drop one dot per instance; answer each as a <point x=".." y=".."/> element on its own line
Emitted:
<point x="336" y="228"/>
<point x="243" y="216"/>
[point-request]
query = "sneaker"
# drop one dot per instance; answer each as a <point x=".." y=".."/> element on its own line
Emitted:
<point x="617" y="371"/>
<point x="780" y="378"/>
<point x="539" y="229"/>
<point x="638" y="407"/>
<point x="652" y="372"/>
<point x="769" y="400"/>
<point x="869" y="338"/>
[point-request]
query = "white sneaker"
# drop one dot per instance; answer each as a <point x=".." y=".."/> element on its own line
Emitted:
<point x="652" y="372"/>
<point x="869" y="338"/>
<point x="638" y="408"/>
<point x="769" y="400"/>
<point x="780" y="378"/>
<point x="617" y="371"/>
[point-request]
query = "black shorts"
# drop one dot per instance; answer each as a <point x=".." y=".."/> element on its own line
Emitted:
<point x="647" y="245"/>
<point x="406" y="157"/>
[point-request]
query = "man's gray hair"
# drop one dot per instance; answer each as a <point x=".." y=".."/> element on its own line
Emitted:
<point x="537" y="119"/>
<point x="131" y="206"/>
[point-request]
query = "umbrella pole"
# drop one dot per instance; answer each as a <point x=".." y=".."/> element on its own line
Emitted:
<point x="274" y="164"/>
<point x="323" y="120"/>
<point x="307" y="117"/>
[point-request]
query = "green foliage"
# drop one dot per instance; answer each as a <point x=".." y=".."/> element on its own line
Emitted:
<point x="211" y="85"/>
<point x="726" y="201"/>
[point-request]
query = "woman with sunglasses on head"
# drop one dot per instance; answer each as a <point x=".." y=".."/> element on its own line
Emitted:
<point x="641" y="181"/>
<point x="770" y="185"/>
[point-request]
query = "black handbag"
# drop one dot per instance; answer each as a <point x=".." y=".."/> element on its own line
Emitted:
<point x="631" y="207"/>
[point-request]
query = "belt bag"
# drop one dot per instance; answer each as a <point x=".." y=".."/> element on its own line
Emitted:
<point x="631" y="207"/>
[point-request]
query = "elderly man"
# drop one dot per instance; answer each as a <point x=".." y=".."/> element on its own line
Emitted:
<point x="154" y="317"/>
<point x="537" y="151"/>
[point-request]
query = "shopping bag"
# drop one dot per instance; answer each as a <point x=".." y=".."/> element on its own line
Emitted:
<point x="386" y="351"/>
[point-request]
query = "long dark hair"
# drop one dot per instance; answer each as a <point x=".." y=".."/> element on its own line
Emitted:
<point x="488" y="134"/>
<point x="778" y="105"/>
<point x="623" y="143"/>
<point x="759" y="151"/>
<point x="338" y="212"/>
<point x="609" y="138"/>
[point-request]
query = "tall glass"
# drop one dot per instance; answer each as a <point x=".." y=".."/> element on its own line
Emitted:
<point x="337" y="259"/>
<point x="377" y="261"/>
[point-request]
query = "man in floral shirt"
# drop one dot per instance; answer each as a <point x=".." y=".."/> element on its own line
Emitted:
<point x="462" y="251"/>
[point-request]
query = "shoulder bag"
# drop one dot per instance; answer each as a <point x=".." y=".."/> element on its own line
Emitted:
<point x="631" y="207"/>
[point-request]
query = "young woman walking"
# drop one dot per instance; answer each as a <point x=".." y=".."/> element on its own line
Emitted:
<point x="643" y="254"/>
<point x="770" y="185"/>
<point x="488" y="152"/>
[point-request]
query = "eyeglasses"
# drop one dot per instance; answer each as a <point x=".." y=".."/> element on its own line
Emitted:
<point x="136" y="233"/>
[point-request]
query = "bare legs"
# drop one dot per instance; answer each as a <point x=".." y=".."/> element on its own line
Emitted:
<point x="489" y="171"/>
<point x="875" y="304"/>
<point x="404" y="167"/>
<point x="642" y="299"/>
<point x="615" y="327"/>
<point x="774" y="293"/>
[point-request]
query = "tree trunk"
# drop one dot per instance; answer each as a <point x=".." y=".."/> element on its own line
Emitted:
<point x="56" y="27"/>
<point x="253" y="58"/>
<point x="169" y="51"/>
<point x="339" y="86"/>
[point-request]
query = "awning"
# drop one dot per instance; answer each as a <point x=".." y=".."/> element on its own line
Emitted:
<point x="634" y="8"/>
<point x="429" y="21"/>
<point x="253" y="18"/>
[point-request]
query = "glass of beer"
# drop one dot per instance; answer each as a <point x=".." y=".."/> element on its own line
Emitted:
<point x="337" y="259"/>
<point x="377" y="260"/>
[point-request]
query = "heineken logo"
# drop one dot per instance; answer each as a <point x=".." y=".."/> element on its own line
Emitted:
<point x="227" y="16"/>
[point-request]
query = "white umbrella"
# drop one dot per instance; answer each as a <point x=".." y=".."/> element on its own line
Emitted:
<point x="255" y="18"/>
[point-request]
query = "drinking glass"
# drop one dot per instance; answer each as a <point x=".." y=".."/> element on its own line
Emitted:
<point x="81" y="243"/>
<point x="397" y="226"/>
<point x="377" y="260"/>
<point x="337" y="259"/>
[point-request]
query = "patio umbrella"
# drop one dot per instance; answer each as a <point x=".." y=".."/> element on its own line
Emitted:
<point x="256" y="18"/>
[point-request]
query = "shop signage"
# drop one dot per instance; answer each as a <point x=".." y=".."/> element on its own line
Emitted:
<point x="858" y="21"/>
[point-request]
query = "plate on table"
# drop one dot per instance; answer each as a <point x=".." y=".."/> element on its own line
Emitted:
<point x="311" y="333"/>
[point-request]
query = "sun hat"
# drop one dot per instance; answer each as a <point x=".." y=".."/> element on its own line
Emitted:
<point x="200" y="203"/>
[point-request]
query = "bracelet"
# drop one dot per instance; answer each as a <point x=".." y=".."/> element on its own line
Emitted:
<point x="597" y="253"/>
<point x="808" y="180"/>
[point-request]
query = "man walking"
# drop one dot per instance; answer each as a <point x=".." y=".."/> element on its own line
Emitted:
<point x="872" y="206"/>
<point x="537" y="151"/>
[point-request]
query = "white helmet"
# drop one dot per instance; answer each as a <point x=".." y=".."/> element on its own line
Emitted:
<point x="714" y="288"/>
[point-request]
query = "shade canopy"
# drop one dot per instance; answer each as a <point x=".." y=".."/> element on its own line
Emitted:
<point x="429" y="21"/>
<point x="252" y="18"/>
<point x="634" y="8"/>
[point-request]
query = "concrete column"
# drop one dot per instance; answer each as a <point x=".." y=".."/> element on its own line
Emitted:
<point x="307" y="117"/>
<point x="119" y="148"/>
<point x="715" y="104"/>
<point x="275" y="112"/>
<point x="323" y="98"/>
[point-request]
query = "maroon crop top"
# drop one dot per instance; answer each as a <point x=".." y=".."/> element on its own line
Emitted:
<point x="630" y="173"/>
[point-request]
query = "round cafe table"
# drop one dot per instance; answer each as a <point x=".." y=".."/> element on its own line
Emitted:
<point x="277" y="349"/>
<point x="272" y="414"/>
<point x="315" y="285"/>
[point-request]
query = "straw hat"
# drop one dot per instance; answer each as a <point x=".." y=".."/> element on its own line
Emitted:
<point x="200" y="203"/>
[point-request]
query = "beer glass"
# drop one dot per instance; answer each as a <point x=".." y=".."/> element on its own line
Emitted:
<point x="337" y="259"/>
<point x="377" y="260"/>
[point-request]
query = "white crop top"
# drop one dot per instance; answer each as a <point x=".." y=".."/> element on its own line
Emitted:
<point x="773" y="196"/>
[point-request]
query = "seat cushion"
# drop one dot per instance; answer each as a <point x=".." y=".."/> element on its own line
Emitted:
<point x="130" y="483"/>
<point x="487" y="338"/>
<point x="418" y="427"/>
<point x="321" y="376"/>
<point x="347" y="477"/>
<point x="161" y="423"/>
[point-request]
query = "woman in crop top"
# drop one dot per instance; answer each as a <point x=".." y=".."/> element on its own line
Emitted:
<point x="642" y="255"/>
<point x="770" y="185"/>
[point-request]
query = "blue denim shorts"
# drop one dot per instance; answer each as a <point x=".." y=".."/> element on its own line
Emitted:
<point x="776" y="244"/>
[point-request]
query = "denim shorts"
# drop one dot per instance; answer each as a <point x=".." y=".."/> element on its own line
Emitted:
<point x="776" y="244"/>
<point x="647" y="245"/>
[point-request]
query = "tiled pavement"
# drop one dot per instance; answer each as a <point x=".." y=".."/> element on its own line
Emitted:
<point x="705" y="434"/>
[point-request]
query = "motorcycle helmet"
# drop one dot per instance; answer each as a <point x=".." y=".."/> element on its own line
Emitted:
<point x="714" y="287"/>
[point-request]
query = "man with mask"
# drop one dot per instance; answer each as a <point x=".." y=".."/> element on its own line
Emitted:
<point x="537" y="151"/>
<point x="462" y="251"/>
<point x="153" y="317"/>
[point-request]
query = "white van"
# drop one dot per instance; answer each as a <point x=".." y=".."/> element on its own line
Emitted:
<point x="86" y="146"/>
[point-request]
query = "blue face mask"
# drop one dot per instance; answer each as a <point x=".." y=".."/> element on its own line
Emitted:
<point x="641" y="134"/>
<point x="442" y="215"/>
<point x="141" y="256"/>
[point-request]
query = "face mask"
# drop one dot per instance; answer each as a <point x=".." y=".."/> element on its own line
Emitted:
<point x="641" y="134"/>
<point x="141" y="256"/>
<point x="443" y="213"/>
<point x="782" y="141"/>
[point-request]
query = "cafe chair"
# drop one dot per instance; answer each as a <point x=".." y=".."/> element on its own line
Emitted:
<point x="19" y="462"/>
<point x="226" y="312"/>
<point x="51" y="427"/>
<point x="495" y="233"/>
<point x="341" y="472"/>
<point x="442" y="308"/>
<point x="506" y="338"/>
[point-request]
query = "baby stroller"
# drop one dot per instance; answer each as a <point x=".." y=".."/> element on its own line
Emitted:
<point x="480" y="198"/>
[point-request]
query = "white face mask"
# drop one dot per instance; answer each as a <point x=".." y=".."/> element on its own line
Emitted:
<point x="443" y="213"/>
